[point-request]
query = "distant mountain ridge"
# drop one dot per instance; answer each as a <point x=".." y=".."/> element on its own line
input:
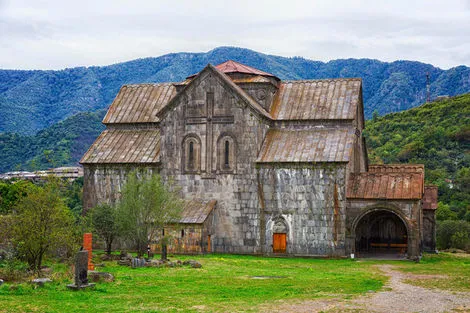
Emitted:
<point x="33" y="100"/>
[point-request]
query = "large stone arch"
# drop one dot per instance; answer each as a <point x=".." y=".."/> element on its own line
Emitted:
<point x="382" y="229"/>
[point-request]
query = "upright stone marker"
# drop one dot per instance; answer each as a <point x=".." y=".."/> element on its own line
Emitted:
<point x="81" y="272"/>
<point x="87" y="245"/>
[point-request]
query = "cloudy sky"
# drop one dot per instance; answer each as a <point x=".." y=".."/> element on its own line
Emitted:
<point x="37" y="34"/>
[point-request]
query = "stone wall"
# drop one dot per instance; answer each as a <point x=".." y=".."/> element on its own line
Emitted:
<point x="429" y="230"/>
<point x="311" y="201"/>
<point x="102" y="183"/>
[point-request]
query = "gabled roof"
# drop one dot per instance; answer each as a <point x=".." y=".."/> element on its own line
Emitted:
<point x="255" y="106"/>
<point x="312" y="145"/>
<point x="139" y="103"/>
<point x="231" y="66"/>
<point x="117" y="146"/>
<point x="317" y="99"/>
<point x="379" y="185"/>
<point x="196" y="212"/>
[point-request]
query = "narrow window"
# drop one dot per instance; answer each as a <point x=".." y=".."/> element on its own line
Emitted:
<point x="182" y="233"/>
<point x="227" y="154"/>
<point x="191" y="155"/>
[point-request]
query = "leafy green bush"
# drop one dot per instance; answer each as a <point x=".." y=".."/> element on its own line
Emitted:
<point x="11" y="269"/>
<point x="453" y="234"/>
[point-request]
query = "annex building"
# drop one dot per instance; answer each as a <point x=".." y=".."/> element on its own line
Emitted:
<point x="267" y="166"/>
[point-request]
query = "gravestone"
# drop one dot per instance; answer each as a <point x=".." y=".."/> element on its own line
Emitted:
<point x="136" y="262"/>
<point x="81" y="272"/>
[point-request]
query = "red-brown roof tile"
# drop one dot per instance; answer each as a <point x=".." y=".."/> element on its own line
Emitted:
<point x="377" y="185"/>
<point x="230" y="66"/>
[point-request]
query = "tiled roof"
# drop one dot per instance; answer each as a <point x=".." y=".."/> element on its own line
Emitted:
<point x="430" y="198"/>
<point x="124" y="146"/>
<point x="196" y="212"/>
<point x="396" y="168"/>
<point x="312" y="145"/>
<point x="377" y="185"/>
<point x="235" y="67"/>
<point x="317" y="99"/>
<point x="139" y="103"/>
<point x="252" y="79"/>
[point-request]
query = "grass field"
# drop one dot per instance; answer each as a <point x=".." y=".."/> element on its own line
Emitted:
<point x="225" y="283"/>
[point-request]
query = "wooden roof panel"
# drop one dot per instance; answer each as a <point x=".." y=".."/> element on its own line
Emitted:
<point x="196" y="212"/>
<point x="124" y="146"/>
<point x="317" y="99"/>
<point x="139" y="103"/>
<point x="312" y="145"/>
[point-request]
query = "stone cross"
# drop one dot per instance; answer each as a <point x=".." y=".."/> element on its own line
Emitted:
<point x="209" y="120"/>
<point x="81" y="271"/>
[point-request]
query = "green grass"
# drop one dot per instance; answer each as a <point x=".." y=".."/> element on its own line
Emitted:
<point x="454" y="269"/>
<point x="223" y="284"/>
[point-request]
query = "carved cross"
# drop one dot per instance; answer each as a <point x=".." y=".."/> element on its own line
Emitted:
<point x="209" y="120"/>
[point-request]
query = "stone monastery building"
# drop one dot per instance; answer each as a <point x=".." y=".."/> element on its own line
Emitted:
<point x="268" y="166"/>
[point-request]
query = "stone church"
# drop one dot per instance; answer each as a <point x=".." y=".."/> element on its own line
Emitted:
<point x="267" y="166"/>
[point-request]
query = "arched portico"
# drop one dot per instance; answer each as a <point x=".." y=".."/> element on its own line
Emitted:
<point x="382" y="232"/>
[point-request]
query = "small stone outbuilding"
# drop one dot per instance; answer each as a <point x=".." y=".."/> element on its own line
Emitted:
<point x="285" y="161"/>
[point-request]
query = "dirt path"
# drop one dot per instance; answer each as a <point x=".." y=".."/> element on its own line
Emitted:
<point x="396" y="296"/>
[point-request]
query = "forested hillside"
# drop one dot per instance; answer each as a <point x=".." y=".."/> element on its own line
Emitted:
<point x="61" y="144"/>
<point x="34" y="100"/>
<point x="436" y="134"/>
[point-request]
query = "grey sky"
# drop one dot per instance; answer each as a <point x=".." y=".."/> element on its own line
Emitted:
<point x="38" y="34"/>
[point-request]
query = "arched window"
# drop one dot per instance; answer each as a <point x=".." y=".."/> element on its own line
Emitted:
<point x="191" y="153"/>
<point x="226" y="156"/>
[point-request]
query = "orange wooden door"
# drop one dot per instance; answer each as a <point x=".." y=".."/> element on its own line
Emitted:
<point x="279" y="243"/>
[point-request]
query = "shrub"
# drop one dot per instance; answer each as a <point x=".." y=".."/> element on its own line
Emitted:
<point x="453" y="234"/>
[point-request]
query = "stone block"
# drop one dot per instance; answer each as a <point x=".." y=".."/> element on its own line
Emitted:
<point x="40" y="282"/>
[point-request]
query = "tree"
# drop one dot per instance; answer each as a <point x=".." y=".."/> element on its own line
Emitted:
<point x="41" y="222"/>
<point x="104" y="224"/>
<point x="146" y="206"/>
<point x="10" y="192"/>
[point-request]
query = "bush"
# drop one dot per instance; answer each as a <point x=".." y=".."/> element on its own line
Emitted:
<point x="453" y="234"/>
<point x="11" y="269"/>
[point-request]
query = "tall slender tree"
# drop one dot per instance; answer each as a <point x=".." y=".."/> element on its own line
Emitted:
<point x="103" y="219"/>
<point x="147" y="204"/>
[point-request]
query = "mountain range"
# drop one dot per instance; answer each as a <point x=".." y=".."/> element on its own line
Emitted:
<point x="32" y="100"/>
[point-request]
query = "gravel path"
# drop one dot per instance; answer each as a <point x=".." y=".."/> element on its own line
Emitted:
<point x="396" y="296"/>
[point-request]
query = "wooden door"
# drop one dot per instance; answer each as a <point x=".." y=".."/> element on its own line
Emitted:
<point x="279" y="243"/>
<point x="209" y="243"/>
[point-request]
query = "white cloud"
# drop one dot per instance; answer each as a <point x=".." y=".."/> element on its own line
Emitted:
<point x="56" y="34"/>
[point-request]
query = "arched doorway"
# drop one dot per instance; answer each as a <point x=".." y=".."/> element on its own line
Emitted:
<point x="279" y="236"/>
<point x="381" y="233"/>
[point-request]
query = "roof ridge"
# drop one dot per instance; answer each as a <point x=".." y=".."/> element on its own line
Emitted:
<point x="321" y="80"/>
<point x="149" y="84"/>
